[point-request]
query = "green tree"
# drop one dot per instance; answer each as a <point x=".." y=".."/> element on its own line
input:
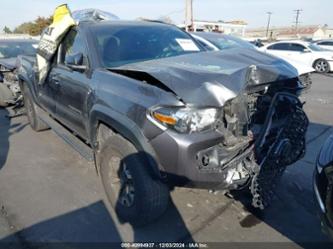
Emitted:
<point x="23" y="28"/>
<point x="34" y="28"/>
<point x="7" y="30"/>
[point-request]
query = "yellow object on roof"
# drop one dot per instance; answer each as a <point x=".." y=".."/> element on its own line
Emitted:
<point x="51" y="38"/>
<point x="60" y="12"/>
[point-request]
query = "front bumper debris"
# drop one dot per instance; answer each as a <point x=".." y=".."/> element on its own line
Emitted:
<point x="256" y="161"/>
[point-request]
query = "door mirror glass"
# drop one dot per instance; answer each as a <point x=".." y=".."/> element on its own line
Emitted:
<point x="75" y="62"/>
<point x="74" y="59"/>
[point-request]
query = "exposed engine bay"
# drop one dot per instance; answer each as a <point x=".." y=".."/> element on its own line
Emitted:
<point x="264" y="131"/>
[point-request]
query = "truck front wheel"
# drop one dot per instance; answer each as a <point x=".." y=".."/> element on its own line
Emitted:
<point x="136" y="197"/>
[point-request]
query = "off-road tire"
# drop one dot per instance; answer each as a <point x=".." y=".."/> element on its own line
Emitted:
<point x="321" y="66"/>
<point x="32" y="113"/>
<point x="5" y="95"/>
<point x="151" y="196"/>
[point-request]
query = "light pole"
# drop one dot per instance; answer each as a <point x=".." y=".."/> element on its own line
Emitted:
<point x="297" y="22"/>
<point x="188" y="14"/>
<point x="268" y="22"/>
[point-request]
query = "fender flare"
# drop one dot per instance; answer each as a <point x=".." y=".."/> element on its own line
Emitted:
<point x="24" y="81"/>
<point x="126" y="128"/>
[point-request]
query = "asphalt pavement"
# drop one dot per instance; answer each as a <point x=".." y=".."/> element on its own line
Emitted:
<point x="48" y="193"/>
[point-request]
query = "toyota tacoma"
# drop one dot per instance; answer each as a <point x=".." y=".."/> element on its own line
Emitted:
<point x="157" y="110"/>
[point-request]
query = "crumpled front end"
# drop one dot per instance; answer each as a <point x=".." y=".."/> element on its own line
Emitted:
<point x="257" y="135"/>
<point x="264" y="131"/>
<point x="258" y="126"/>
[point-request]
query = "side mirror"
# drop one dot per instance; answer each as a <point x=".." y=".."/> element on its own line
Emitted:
<point x="75" y="62"/>
<point x="306" y="50"/>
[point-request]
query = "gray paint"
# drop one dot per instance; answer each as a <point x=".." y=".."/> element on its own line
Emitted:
<point x="200" y="79"/>
<point x="211" y="78"/>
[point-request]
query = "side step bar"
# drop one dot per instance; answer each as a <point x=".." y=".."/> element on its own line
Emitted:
<point x="83" y="149"/>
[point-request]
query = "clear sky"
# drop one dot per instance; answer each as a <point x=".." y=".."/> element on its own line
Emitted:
<point x="14" y="12"/>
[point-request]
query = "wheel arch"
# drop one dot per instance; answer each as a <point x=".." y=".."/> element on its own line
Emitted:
<point x="123" y="126"/>
<point x="26" y="83"/>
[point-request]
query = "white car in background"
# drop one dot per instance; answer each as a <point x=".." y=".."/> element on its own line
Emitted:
<point x="325" y="44"/>
<point x="302" y="52"/>
<point x="216" y="41"/>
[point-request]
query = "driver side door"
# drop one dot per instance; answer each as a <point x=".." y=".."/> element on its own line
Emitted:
<point x="74" y="84"/>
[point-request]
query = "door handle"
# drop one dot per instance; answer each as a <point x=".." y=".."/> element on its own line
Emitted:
<point x="55" y="79"/>
<point x="55" y="82"/>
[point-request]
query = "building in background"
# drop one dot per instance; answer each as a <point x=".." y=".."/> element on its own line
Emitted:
<point x="313" y="32"/>
<point x="329" y="33"/>
<point x="236" y="28"/>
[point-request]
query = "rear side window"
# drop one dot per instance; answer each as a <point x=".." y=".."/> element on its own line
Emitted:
<point x="297" y="47"/>
<point x="279" y="46"/>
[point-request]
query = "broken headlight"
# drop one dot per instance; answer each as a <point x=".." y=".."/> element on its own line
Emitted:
<point x="185" y="119"/>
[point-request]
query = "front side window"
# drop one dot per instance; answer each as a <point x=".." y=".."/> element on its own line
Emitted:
<point x="124" y="44"/>
<point x="71" y="45"/>
<point x="297" y="47"/>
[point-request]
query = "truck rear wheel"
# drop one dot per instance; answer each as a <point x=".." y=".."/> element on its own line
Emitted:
<point x="32" y="112"/>
<point x="5" y="95"/>
<point x="136" y="197"/>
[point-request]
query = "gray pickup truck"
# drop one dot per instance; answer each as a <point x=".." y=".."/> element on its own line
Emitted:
<point x="153" y="109"/>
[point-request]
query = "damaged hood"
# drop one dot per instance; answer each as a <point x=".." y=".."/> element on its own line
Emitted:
<point x="211" y="78"/>
<point x="8" y="63"/>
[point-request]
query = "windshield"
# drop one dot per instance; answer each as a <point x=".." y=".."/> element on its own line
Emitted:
<point x="9" y="49"/>
<point x="315" y="47"/>
<point x="226" y="42"/>
<point x="124" y="44"/>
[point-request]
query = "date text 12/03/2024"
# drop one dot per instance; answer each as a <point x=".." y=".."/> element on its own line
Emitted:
<point x="164" y="245"/>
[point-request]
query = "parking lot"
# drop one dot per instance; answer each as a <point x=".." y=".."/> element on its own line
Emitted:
<point x="49" y="193"/>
